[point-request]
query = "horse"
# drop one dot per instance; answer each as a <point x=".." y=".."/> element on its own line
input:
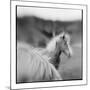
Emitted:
<point x="41" y="64"/>
<point x="57" y="45"/>
<point x="60" y="44"/>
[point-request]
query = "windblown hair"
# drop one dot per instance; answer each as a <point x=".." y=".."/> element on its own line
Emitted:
<point x="36" y="64"/>
<point x="52" y="44"/>
<point x="31" y="66"/>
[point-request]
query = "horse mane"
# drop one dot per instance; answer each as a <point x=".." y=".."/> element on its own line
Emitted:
<point x="38" y="68"/>
<point x="52" y="44"/>
<point x="36" y="62"/>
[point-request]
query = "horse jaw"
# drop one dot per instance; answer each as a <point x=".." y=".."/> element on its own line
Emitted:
<point x="69" y="53"/>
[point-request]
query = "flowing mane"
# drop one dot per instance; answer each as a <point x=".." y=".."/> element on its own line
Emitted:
<point x="31" y="66"/>
<point x="52" y="44"/>
<point x="46" y="61"/>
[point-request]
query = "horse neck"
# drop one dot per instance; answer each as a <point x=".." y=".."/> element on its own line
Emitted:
<point x="54" y="57"/>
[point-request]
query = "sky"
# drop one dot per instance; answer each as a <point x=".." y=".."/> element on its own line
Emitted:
<point x="50" y="13"/>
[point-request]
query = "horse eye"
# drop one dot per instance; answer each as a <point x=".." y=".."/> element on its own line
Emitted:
<point x="63" y="37"/>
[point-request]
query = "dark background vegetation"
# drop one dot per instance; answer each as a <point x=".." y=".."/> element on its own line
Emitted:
<point x="37" y="32"/>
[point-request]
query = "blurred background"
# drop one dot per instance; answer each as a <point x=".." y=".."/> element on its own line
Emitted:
<point x="36" y="26"/>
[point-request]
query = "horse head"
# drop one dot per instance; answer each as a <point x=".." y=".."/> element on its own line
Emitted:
<point x="60" y="43"/>
<point x="63" y="44"/>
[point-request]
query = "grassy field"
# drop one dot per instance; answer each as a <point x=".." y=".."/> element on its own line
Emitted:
<point x="71" y="68"/>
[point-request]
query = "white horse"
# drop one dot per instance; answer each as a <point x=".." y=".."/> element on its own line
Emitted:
<point x="57" y="45"/>
<point x="35" y="64"/>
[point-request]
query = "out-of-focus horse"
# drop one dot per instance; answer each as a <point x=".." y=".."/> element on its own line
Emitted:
<point x="36" y="64"/>
<point x="57" y="45"/>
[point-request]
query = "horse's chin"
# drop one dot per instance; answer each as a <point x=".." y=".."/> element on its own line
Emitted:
<point x="69" y="55"/>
